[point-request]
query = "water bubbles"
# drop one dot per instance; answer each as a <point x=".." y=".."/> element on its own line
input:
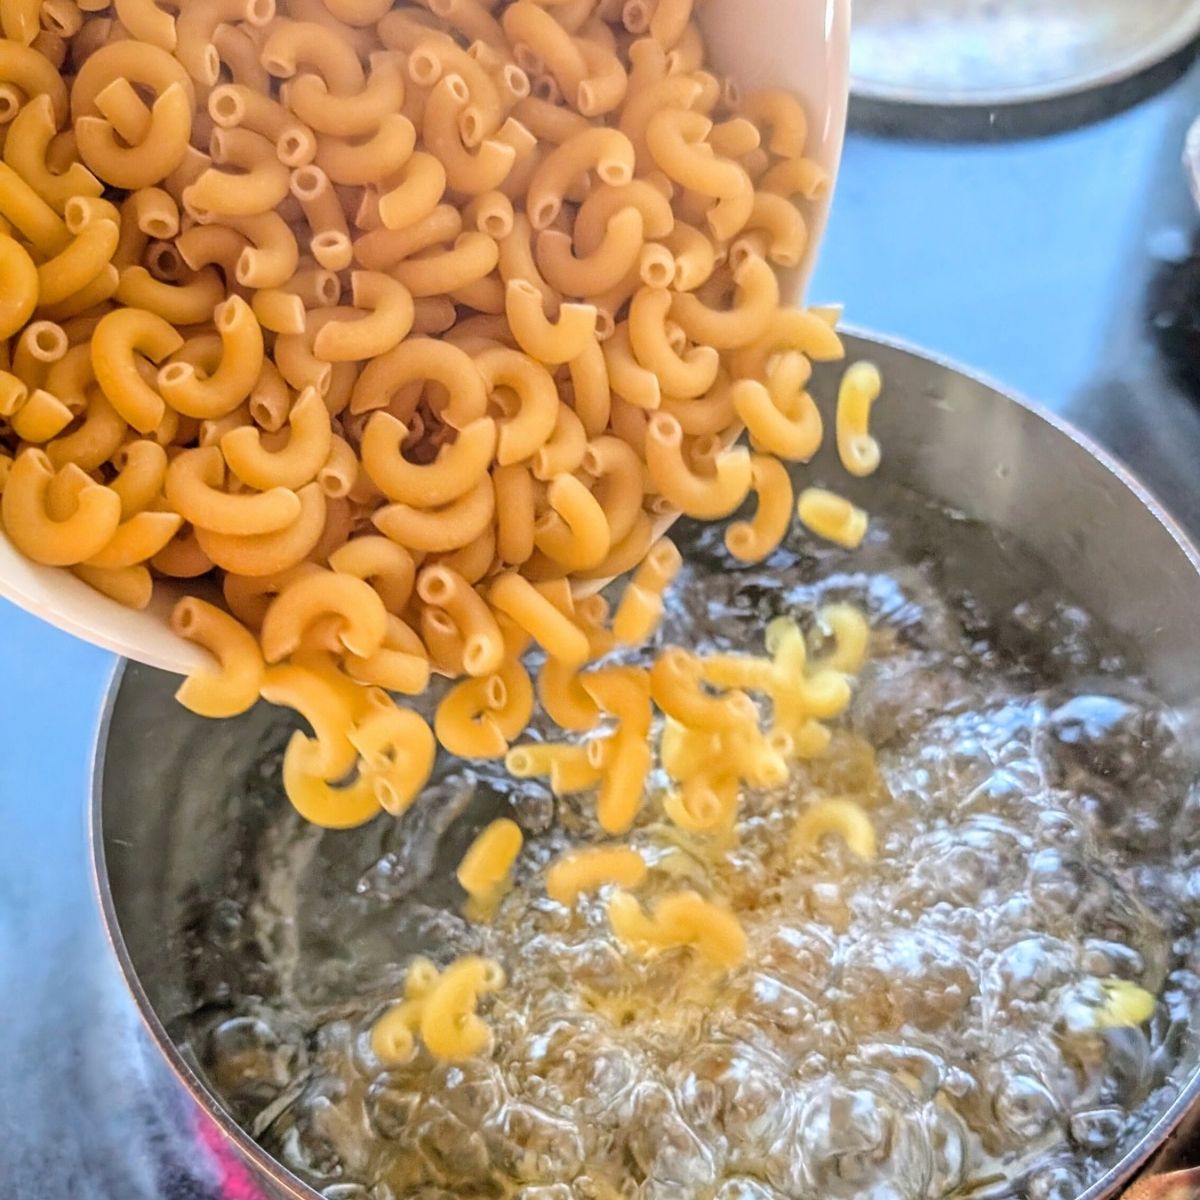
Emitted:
<point x="451" y="1146"/>
<point x="749" y="870"/>
<point x="1058" y="1181"/>
<point x="533" y="806"/>
<point x="906" y="976"/>
<point x="1029" y="970"/>
<point x="960" y="1085"/>
<point x="251" y="1063"/>
<point x="1111" y="959"/>
<point x="828" y="902"/>
<point x="968" y="865"/>
<point x="1024" y="1106"/>
<point x="619" y="1186"/>
<point x="664" y="1147"/>
<point x="533" y="1145"/>
<point x="1109" y="737"/>
<point x="736" y="1097"/>
<point x="923" y="1070"/>
<point x="551" y="1058"/>
<point x="1058" y="882"/>
<point x="897" y="699"/>
<point x="1003" y="793"/>
<point x="473" y="1091"/>
<point x="951" y="1145"/>
<point x="597" y="963"/>
<point x="745" y="1189"/>
<point x="321" y="1134"/>
<point x="611" y="1072"/>
<point x="1053" y="639"/>
<point x="1127" y="1061"/>
<point x="1096" y="1129"/>
<point x="656" y="1189"/>
<point x="772" y="1003"/>
<point x="802" y="957"/>
<point x="392" y="1109"/>
<point x="921" y="1025"/>
<point x="857" y="1139"/>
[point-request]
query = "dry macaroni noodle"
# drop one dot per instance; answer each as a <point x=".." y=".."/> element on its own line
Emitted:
<point x="485" y="870"/>
<point x="832" y="517"/>
<point x="532" y="182"/>
<point x="859" y="390"/>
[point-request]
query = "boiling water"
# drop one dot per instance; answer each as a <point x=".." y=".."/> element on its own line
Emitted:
<point x="919" y="1026"/>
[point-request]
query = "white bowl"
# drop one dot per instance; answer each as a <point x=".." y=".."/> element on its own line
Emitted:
<point x="803" y="45"/>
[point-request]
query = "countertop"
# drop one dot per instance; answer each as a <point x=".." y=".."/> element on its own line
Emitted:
<point x="1041" y="263"/>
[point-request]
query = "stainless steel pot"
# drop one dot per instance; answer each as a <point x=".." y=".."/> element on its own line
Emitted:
<point x="165" y="822"/>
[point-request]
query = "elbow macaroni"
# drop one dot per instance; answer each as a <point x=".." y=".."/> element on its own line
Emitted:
<point x="486" y="869"/>
<point x="843" y="818"/>
<point x="753" y="540"/>
<point x="586" y="870"/>
<point x="832" y="517"/>
<point x="589" y="217"/>
<point x="859" y="390"/>
<point x="681" y="919"/>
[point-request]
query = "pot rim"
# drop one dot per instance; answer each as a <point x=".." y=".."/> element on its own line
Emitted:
<point x="1110" y="1184"/>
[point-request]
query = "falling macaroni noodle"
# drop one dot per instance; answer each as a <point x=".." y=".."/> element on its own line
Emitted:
<point x="641" y="607"/>
<point x="399" y="327"/>
<point x="753" y="540"/>
<point x="485" y="871"/>
<point x="859" y="390"/>
<point x="833" y="517"/>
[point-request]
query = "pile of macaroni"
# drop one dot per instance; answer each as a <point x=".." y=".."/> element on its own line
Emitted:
<point x="399" y="323"/>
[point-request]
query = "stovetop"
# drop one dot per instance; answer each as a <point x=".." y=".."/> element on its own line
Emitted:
<point x="1063" y="267"/>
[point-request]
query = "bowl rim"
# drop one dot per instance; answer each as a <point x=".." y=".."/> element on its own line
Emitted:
<point x="1114" y="1179"/>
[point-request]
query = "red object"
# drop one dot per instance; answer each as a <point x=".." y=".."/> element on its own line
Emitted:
<point x="233" y="1178"/>
<point x="1177" y="1185"/>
